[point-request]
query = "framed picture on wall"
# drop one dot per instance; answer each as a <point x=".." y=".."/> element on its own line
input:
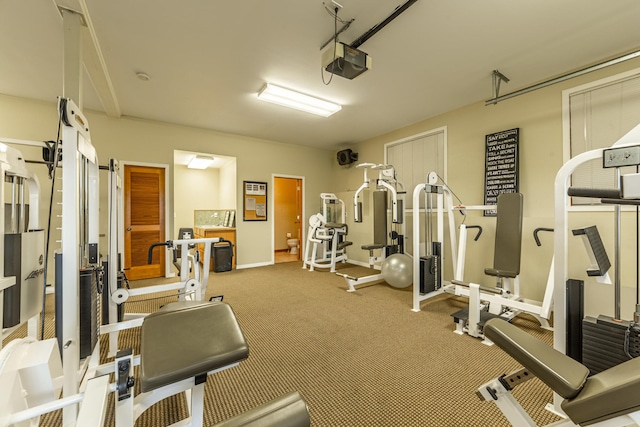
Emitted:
<point x="254" y="201"/>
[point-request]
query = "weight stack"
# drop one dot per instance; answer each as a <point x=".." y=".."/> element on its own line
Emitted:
<point x="604" y="342"/>
<point x="430" y="270"/>
<point x="427" y="274"/>
<point x="89" y="308"/>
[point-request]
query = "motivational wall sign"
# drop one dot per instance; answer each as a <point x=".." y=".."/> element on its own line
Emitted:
<point x="501" y="166"/>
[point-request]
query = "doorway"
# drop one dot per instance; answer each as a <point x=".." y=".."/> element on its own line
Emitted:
<point x="287" y="222"/>
<point x="144" y="220"/>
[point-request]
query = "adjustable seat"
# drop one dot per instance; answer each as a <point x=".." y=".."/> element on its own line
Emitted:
<point x="588" y="400"/>
<point x="286" y="411"/>
<point x="188" y="339"/>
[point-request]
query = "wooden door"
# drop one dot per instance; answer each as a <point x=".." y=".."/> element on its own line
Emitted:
<point x="144" y="221"/>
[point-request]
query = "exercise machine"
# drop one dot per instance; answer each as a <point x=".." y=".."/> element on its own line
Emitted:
<point x="608" y="399"/>
<point x="388" y="190"/>
<point x="326" y="238"/>
<point x="34" y="372"/>
<point x="192" y="283"/>
<point x="484" y="302"/>
<point x="623" y="152"/>
<point x="21" y="243"/>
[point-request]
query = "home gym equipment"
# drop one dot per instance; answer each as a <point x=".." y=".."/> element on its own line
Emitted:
<point x="504" y="299"/>
<point x="387" y="188"/>
<point x="608" y="399"/>
<point x="192" y="282"/>
<point x="33" y="372"/>
<point x="608" y="341"/>
<point x="326" y="237"/>
<point x="21" y="245"/>
<point x="484" y="302"/>
<point x="624" y="152"/>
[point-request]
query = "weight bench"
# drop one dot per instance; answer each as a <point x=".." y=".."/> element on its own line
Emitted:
<point x="610" y="398"/>
<point x="181" y="344"/>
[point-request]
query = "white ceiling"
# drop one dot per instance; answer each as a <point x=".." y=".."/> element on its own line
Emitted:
<point x="208" y="59"/>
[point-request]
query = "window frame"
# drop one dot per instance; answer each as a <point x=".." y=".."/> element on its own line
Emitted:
<point x="566" y="126"/>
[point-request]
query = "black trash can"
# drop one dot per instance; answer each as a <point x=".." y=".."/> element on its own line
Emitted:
<point x="222" y="256"/>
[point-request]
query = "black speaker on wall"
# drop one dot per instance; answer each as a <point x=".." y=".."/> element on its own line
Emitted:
<point x="346" y="157"/>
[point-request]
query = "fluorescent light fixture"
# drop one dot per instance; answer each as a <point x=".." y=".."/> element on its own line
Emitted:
<point x="200" y="162"/>
<point x="299" y="101"/>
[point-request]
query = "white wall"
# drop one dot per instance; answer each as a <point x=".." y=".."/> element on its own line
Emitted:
<point x="227" y="188"/>
<point x="193" y="189"/>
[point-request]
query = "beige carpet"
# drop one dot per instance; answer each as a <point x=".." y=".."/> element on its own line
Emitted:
<point x="359" y="359"/>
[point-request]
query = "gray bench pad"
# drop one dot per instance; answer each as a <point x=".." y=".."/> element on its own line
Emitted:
<point x="186" y="339"/>
<point x="286" y="411"/>
<point x="608" y="394"/>
<point x="561" y="373"/>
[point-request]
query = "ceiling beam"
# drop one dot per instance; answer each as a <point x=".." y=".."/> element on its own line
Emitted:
<point x="92" y="57"/>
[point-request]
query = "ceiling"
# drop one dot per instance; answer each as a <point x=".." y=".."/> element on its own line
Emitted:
<point x="207" y="59"/>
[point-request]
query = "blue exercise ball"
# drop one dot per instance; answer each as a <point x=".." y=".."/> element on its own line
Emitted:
<point x="397" y="270"/>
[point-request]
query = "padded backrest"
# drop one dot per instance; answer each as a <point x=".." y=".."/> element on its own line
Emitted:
<point x="508" y="240"/>
<point x="183" y="234"/>
<point x="379" y="217"/>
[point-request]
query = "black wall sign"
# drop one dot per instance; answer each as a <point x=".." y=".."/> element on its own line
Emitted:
<point x="501" y="166"/>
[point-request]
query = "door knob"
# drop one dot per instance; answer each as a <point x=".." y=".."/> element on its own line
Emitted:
<point x="128" y="228"/>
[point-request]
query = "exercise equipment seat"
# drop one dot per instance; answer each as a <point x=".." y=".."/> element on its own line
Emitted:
<point x="286" y="411"/>
<point x="588" y="400"/>
<point x="187" y="339"/>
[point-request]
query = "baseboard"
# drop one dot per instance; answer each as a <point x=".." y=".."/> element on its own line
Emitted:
<point x="258" y="264"/>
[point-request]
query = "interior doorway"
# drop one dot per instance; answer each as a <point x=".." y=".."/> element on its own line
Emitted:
<point x="288" y="214"/>
<point x="144" y="220"/>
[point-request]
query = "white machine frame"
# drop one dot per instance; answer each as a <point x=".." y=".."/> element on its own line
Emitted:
<point x="325" y="233"/>
<point x="36" y="371"/>
<point x="386" y="180"/>
<point x="496" y="392"/>
<point x="561" y="236"/>
<point x="13" y="165"/>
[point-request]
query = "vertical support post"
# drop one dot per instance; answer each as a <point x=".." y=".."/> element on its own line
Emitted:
<point x="560" y="251"/>
<point x="70" y="269"/>
<point x="114" y="235"/>
<point x="617" y="229"/>
<point x="72" y="56"/>
<point x="416" y="246"/>
<point x="462" y="252"/>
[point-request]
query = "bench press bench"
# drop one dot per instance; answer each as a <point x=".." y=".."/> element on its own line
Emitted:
<point x="610" y="398"/>
<point x="181" y="344"/>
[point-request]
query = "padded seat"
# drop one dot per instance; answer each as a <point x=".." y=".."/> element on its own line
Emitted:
<point x="186" y="339"/>
<point x="607" y="394"/>
<point x="344" y="244"/>
<point x="286" y="411"/>
<point x="561" y="373"/>
<point x="373" y="246"/>
<point x="588" y="400"/>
